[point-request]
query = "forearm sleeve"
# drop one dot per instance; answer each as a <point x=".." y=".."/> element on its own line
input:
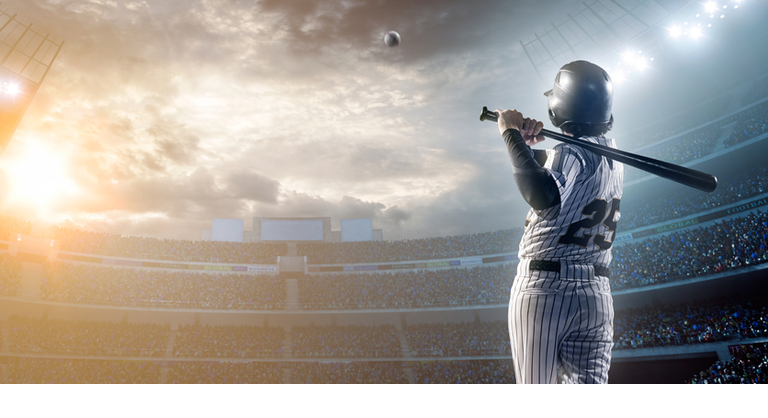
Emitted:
<point x="535" y="183"/>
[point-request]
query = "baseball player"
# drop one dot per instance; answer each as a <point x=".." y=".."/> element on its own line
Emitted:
<point x="561" y="308"/>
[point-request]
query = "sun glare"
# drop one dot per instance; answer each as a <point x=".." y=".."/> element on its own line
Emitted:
<point x="36" y="177"/>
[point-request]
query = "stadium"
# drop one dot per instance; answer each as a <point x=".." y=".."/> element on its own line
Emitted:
<point x="295" y="302"/>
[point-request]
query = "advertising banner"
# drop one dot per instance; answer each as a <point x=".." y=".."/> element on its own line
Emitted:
<point x="263" y="269"/>
<point x="736" y="209"/>
<point x="122" y="262"/>
<point x="162" y="265"/>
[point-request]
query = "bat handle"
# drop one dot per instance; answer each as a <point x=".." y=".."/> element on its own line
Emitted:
<point x="488" y="115"/>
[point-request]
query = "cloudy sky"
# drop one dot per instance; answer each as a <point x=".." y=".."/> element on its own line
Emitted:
<point x="160" y="115"/>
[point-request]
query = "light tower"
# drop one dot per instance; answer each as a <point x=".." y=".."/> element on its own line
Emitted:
<point x="25" y="58"/>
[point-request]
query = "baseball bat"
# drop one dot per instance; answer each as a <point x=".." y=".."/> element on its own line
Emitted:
<point x="683" y="175"/>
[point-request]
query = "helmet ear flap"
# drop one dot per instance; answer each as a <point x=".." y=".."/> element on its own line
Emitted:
<point x="554" y="119"/>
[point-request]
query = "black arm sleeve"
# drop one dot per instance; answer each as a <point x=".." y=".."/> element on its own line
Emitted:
<point x="535" y="183"/>
<point x="540" y="156"/>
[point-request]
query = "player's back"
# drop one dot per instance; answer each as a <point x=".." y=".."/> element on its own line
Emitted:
<point x="580" y="230"/>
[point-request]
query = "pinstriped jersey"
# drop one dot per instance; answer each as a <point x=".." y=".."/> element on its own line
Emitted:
<point x="579" y="230"/>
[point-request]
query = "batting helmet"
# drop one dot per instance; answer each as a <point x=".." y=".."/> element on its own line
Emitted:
<point x="583" y="93"/>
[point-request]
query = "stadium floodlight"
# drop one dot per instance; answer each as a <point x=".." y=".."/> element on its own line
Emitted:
<point x="694" y="33"/>
<point x="641" y="63"/>
<point x="618" y="76"/>
<point x="675" y="31"/>
<point x="11" y="89"/>
<point x="710" y="6"/>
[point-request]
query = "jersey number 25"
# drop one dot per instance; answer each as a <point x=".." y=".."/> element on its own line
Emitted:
<point x="595" y="212"/>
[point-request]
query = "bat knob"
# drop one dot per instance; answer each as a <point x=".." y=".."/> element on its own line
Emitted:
<point x="488" y="115"/>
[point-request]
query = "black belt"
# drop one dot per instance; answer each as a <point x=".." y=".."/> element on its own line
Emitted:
<point x="546" y="265"/>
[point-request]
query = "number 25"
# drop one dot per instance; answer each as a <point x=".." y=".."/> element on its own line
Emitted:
<point x="595" y="212"/>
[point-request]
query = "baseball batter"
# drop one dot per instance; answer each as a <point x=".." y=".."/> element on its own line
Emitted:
<point x="561" y="308"/>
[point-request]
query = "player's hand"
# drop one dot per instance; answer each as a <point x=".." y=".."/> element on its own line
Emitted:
<point x="528" y="128"/>
<point x="531" y="131"/>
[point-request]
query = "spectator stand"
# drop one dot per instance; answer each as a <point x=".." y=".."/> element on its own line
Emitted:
<point x="696" y="115"/>
<point x="748" y="364"/>
<point x="365" y="255"/>
<point x="165" y="265"/>
<point x="703" y="218"/>
<point x="145" y="248"/>
<point x="86" y="283"/>
<point x="707" y="251"/>
<point x="441" y="288"/>
<point x="683" y="330"/>
<point x="735" y="187"/>
<point x="719" y="148"/>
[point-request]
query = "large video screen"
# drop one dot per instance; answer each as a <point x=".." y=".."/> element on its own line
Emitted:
<point x="353" y="230"/>
<point x="227" y="230"/>
<point x="292" y="230"/>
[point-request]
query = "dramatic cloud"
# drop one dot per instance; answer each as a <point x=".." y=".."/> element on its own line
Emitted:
<point x="167" y="113"/>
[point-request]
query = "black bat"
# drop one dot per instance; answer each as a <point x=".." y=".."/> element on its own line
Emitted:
<point x="683" y="175"/>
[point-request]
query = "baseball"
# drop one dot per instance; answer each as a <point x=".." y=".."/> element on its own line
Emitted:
<point x="392" y="38"/>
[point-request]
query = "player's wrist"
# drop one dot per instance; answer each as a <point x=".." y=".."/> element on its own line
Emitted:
<point x="512" y="135"/>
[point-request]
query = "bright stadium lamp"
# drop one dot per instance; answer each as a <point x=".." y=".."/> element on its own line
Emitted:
<point x="675" y="31"/>
<point x="641" y="63"/>
<point x="12" y="89"/>
<point x="694" y="33"/>
<point x="710" y="6"/>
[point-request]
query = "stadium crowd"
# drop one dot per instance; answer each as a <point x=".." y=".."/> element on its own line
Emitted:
<point x="229" y="341"/>
<point x="749" y="365"/>
<point x="692" y="323"/>
<point x="758" y="91"/>
<point x="732" y="188"/>
<point x="464" y="371"/>
<point x="690" y="118"/>
<point x="405" y="289"/>
<point x="167" y="249"/>
<point x="749" y="124"/>
<point x="94" y="284"/>
<point x="679" y="150"/>
<point x="207" y="373"/>
<point x="459" y="340"/>
<point x="349" y="373"/>
<point x="485" y="243"/>
<point x="10" y="275"/>
<point x="345" y="341"/>
<point x="51" y="371"/>
<point x="10" y="226"/>
<point x="725" y="245"/>
<point x="93" y="338"/>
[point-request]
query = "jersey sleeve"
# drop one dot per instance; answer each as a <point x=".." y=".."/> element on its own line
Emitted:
<point x="566" y="164"/>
